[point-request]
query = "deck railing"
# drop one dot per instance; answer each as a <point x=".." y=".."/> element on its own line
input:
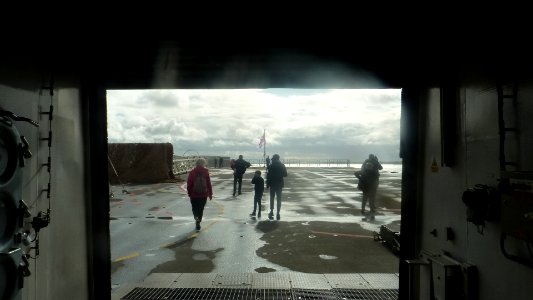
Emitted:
<point x="291" y="162"/>
<point x="184" y="165"/>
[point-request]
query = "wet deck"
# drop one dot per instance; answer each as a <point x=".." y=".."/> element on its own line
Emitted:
<point x="321" y="243"/>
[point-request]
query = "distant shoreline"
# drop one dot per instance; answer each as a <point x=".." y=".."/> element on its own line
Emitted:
<point x="387" y="167"/>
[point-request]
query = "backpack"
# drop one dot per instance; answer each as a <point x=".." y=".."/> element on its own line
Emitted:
<point x="199" y="185"/>
<point x="369" y="166"/>
<point x="240" y="166"/>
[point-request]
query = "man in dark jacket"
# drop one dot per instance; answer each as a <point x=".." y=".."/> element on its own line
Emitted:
<point x="239" y="168"/>
<point x="368" y="183"/>
<point x="275" y="174"/>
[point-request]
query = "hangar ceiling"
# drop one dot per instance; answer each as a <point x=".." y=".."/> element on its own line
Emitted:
<point x="360" y="61"/>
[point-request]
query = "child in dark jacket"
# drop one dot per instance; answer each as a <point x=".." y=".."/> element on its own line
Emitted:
<point x="259" y="188"/>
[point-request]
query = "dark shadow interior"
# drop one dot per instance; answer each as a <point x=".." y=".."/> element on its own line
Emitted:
<point x="133" y="62"/>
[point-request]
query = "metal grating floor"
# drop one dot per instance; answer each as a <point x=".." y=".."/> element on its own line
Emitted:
<point x="259" y="294"/>
<point x="263" y="286"/>
<point x="273" y="286"/>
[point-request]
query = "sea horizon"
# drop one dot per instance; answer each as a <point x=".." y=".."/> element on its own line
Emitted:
<point x="392" y="166"/>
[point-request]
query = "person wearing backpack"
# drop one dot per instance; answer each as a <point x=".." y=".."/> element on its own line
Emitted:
<point x="239" y="168"/>
<point x="368" y="183"/>
<point x="199" y="189"/>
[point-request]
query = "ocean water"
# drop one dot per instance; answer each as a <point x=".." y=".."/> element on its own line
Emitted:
<point x="392" y="168"/>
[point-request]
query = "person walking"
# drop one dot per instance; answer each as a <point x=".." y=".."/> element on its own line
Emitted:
<point x="368" y="177"/>
<point x="199" y="189"/>
<point x="259" y="188"/>
<point x="275" y="174"/>
<point x="239" y="168"/>
<point x="267" y="162"/>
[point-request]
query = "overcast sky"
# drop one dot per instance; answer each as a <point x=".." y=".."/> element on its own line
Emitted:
<point x="299" y="123"/>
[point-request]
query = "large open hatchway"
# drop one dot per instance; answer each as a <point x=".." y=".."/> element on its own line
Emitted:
<point x="85" y="65"/>
<point x="321" y="237"/>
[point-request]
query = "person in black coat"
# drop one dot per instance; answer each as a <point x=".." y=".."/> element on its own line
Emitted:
<point x="368" y="183"/>
<point x="239" y="167"/>
<point x="267" y="160"/>
<point x="275" y="174"/>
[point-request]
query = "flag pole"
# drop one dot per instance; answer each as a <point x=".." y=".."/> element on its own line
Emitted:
<point x="265" y="146"/>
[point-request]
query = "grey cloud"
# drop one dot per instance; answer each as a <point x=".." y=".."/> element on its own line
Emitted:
<point x="166" y="100"/>
<point x="204" y="123"/>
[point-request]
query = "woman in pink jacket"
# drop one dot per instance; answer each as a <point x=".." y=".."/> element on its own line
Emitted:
<point x="198" y="189"/>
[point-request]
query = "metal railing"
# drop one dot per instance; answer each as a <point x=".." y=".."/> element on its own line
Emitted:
<point x="184" y="165"/>
<point x="307" y="162"/>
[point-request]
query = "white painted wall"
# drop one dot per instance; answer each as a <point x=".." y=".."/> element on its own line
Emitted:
<point x="441" y="203"/>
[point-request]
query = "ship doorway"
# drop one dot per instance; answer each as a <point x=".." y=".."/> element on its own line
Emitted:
<point x="322" y="135"/>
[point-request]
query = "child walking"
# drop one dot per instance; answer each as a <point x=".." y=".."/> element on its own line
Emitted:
<point x="259" y="188"/>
